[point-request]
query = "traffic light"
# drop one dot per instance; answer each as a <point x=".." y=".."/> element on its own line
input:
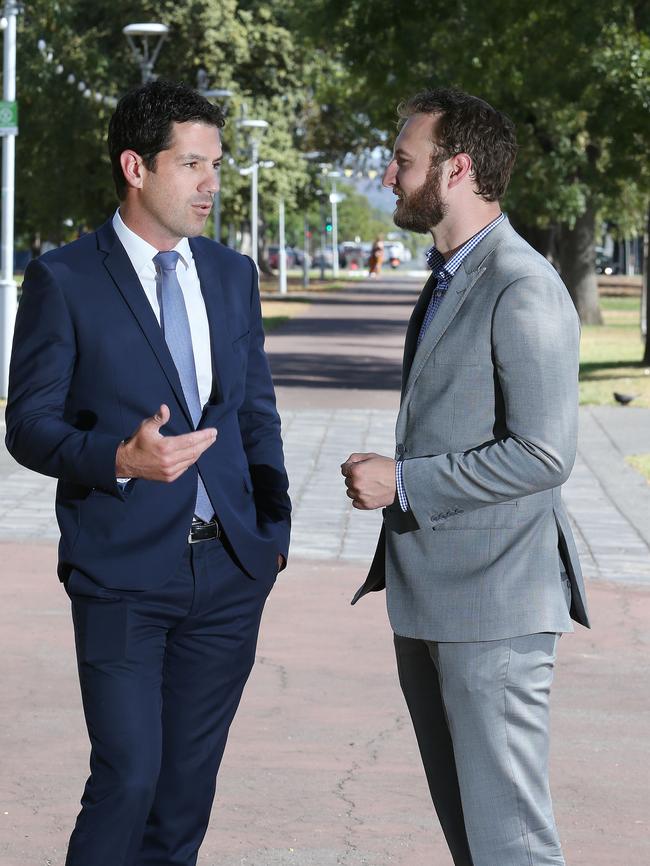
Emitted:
<point x="328" y="226"/>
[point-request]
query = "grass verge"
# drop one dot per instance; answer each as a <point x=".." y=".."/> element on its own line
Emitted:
<point x="640" y="462"/>
<point x="610" y="356"/>
<point x="275" y="313"/>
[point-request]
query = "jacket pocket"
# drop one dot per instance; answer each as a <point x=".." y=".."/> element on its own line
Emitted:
<point x="504" y="515"/>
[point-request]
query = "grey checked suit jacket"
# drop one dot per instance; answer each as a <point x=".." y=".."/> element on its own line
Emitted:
<point x="487" y="430"/>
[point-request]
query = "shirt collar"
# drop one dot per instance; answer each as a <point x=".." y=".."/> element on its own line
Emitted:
<point x="140" y="252"/>
<point x="436" y="260"/>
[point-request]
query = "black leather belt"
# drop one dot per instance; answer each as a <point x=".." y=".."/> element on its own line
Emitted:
<point x="202" y="531"/>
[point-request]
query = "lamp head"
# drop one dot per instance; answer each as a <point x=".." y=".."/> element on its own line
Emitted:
<point x="145" y="30"/>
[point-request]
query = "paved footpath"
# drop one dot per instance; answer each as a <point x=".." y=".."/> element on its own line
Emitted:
<point x="322" y="767"/>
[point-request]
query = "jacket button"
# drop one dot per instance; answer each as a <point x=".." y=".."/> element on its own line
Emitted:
<point x="400" y="448"/>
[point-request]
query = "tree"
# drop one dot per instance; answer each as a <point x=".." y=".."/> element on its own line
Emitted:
<point x="63" y="173"/>
<point x="574" y="76"/>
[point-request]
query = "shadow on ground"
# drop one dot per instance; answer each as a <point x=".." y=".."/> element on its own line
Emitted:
<point x="325" y="371"/>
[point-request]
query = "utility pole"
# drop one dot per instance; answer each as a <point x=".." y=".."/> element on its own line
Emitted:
<point x="9" y="124"/>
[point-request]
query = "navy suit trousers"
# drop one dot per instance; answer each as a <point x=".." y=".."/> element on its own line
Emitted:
<point x="162" y="672"/>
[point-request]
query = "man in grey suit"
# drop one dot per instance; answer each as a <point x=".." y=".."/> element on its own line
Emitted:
<point x="476" y="552"/>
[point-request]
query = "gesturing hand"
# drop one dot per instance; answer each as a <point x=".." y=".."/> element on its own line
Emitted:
<point x="370" y="480"/>
<point x="149" y="454"/>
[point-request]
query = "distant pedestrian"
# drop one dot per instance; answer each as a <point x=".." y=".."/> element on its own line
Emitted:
<point x="476" y="552"/>
<point x="376" y="257"/>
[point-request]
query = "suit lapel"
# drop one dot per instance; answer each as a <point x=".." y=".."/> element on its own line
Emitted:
<point x="207" y="268"/>
<point x="459" y="289"/>
<point x="119" y="267"/>
<point x="414" y="325"/>
<point x="464" y="280"/>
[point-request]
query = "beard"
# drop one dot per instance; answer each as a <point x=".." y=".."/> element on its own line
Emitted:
<point x="423" y="209"/>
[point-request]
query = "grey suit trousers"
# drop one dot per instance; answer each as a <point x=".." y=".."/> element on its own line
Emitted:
<point x="480" y="713"/>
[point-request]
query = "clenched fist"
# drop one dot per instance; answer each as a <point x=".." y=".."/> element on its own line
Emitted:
<point x="370" y="480"/>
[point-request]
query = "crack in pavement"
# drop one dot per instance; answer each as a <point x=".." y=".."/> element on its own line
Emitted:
<point x="372" y="748"/>
<point x="352" y="820"/>
<point x="280" y="669"/>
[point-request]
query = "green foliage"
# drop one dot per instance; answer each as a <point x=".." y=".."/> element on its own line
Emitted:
<point x="573" y="74"/>
<point x="63" y="172"/>
<point x="356" y="218"/>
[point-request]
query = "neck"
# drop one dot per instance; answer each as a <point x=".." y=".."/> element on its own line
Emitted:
<point x="137" y="222"/>
<point x="456" y="229"/>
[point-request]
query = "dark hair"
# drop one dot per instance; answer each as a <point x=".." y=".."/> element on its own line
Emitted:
<point x="143" y="122"/>
<point x="469" y="125"/>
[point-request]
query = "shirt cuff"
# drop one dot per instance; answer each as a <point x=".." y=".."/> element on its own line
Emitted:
<point x="401" y="492"/>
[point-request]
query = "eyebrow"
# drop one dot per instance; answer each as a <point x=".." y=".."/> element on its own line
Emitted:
<point x="401" y="152"/>
<point x="197" y="157"/>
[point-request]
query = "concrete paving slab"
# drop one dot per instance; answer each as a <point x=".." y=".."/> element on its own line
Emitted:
<point x="322" y="766"/>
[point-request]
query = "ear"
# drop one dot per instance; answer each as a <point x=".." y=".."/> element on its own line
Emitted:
<point x="460" y="167"/>
<point x="133" y="168"/>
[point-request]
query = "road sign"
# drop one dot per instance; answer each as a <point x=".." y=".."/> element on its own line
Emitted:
<point x="8" y="117"/>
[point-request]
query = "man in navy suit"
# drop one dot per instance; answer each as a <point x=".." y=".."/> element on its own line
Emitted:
<point x="139" y="380"/>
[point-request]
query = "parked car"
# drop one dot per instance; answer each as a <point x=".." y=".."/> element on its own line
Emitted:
<point x="353" y="256"/>
<point x="322" y="258"/>
<point x="396" y="253"/>
<point x="274" y="257"/>
<point x="605" y="264"/>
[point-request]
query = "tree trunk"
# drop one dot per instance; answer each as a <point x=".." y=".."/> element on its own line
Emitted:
<point x="35" y="245"/>
<point x="263" y="250"/>
<point x="542" y="240"/>
<point x="576" y="258"/>
<point x="645" y="289"/>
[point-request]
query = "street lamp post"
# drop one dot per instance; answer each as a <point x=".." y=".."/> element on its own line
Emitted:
<point x="282" y="252"/>
<point x="213" y="93"/>
<point x="335" y="199"/>
<point x="8" y="299"/>
<point x="255" y="130"/>
<point x="145" y="56"/>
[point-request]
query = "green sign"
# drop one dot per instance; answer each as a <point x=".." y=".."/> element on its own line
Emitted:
<point x="8" y="118"/>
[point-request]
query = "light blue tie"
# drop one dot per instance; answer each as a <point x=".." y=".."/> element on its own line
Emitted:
<point x="176" y="328"/>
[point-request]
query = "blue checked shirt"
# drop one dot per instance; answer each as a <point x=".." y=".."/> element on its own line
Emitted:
<point x="443" y="272"/>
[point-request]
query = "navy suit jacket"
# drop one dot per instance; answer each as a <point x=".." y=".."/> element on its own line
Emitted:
<point x="90" y="362"/>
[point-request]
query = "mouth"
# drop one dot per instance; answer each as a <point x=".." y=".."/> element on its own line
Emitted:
<point x="203" y="208"/>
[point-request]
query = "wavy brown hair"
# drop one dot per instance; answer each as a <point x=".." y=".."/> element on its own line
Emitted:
<point x="467" y="124"/>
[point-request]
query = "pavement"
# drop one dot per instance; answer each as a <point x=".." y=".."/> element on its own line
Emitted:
<point x="322" y="767"/>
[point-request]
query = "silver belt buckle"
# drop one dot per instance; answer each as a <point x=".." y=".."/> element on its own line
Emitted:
<point x="217" y="534"/>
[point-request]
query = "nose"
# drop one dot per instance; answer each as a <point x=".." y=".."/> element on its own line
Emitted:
<point x="389" y="175"/>
<point x="211" y="182"/>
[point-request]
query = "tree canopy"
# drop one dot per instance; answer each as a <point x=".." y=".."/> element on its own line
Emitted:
<point x="63" y="172"/>
<point x="574" y="75"/>
<point x="328" y="74"/>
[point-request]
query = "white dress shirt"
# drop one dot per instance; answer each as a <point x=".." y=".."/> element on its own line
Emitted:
<point x="141" y="255"/>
